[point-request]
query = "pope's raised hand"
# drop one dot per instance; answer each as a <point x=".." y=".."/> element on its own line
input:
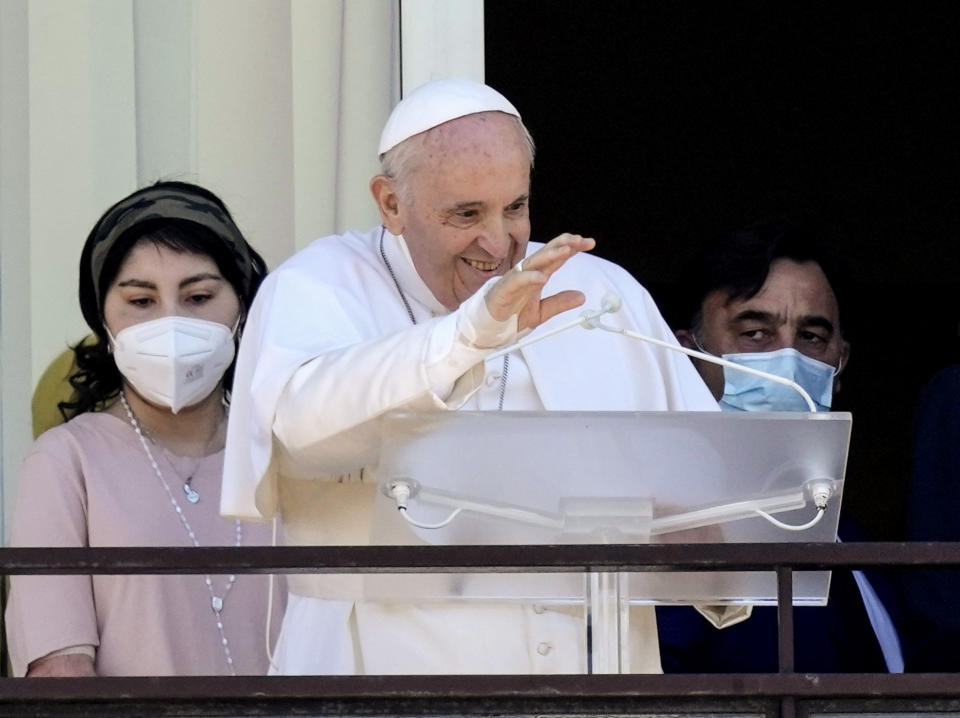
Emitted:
<point x="520" y="290"/>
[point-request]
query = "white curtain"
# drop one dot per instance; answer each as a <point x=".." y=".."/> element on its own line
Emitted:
<point x="275" y="105"/>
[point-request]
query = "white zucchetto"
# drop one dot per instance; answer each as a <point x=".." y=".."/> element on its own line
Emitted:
<point x="436" y="102"/>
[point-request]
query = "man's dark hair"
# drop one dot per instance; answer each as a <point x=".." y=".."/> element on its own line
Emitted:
<point x="738" y="262"/>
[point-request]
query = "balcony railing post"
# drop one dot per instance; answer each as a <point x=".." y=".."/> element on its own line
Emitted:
<point x="785" y="618"/>
<point x="788" y="705"/>
<point x="4" y="655"/>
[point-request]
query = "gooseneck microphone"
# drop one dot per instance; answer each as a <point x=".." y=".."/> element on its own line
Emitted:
<point x="404" y="490"/>
<point x="611" y="303"/>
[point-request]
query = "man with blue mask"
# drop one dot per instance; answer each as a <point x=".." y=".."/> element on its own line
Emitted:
<point x="764" y="300"/>
<point x="768" y="297"/>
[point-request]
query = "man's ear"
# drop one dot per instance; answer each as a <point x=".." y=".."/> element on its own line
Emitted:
<point x="844" y="360"/>
<point x="388" y="203"/>
<point x="685" y="337"/>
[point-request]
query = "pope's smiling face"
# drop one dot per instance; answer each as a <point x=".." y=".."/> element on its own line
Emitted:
<point x="464" y="207"/>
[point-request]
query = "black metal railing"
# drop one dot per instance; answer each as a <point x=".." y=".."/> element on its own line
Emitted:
<point x="785" y="693"/>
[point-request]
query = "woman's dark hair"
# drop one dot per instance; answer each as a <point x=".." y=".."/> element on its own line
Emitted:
<point x="180" y="216"/>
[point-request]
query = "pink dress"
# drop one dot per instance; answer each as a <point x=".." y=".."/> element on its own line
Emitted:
<point x="89" y="483"/>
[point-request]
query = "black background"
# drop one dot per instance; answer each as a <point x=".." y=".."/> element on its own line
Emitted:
<point x="660" y="124"/>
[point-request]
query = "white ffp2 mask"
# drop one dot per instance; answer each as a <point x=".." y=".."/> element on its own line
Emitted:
<point x="174" y="361"/>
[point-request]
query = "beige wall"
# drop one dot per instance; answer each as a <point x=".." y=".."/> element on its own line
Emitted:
<point x="276" y="105"/>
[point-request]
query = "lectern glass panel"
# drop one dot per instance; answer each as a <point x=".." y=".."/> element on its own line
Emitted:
<point x="609" y="477"/>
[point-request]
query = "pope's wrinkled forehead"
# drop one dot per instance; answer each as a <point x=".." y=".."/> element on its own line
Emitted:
<point x="485" y="134"/>
<point x="438" y="102"/>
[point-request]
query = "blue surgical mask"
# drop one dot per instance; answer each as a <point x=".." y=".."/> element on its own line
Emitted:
<point x="745" y="392"/>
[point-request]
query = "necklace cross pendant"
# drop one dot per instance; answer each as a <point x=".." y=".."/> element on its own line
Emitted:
<point x="192" y="495"/>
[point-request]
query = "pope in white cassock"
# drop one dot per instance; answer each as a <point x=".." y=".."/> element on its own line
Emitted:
<point x="402" y="317"/>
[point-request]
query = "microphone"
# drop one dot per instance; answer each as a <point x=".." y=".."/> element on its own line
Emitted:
<point x="595" y="323"/>
<point x="611" y="303"/>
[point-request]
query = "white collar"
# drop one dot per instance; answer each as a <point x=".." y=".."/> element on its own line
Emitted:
<point x="411" y="284"/>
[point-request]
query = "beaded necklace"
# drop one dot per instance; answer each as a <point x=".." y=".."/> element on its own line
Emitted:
<point x="216" y="602"/>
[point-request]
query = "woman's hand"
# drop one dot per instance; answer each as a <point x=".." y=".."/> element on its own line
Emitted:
<point x="69" y="665"/>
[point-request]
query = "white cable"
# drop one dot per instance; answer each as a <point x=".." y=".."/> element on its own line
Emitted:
<point x="611" y="303"/>
<point x="803" y="527"/>
<point x="819" y="491"/>
<point x="735" y="511"/>
<point x="596" y="324"/>
<point x="511" y="513"/>
<point x="410" y="520"/>
<point x="273" y="663"/>
<point x="400" y="491"/>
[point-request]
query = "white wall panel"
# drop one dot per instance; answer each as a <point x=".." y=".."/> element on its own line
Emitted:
<point x="244" y="116"/>
<point x="15" y="345"/>
<point x="166" y="110"/>
<point x="82" y="150"/>
<point x="441" y="38"/>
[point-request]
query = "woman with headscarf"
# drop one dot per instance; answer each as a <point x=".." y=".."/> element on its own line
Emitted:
<point x="166" y="280"/>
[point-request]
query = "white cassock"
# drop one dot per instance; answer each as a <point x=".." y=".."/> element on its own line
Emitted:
<point x="328" y="348"/>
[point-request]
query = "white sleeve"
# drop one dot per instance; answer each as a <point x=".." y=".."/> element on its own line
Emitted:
<point x="326" y="418"/>
<point x="457" y="346"/>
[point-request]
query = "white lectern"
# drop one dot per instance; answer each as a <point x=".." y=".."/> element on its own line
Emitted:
<point x="609" y="477"/>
